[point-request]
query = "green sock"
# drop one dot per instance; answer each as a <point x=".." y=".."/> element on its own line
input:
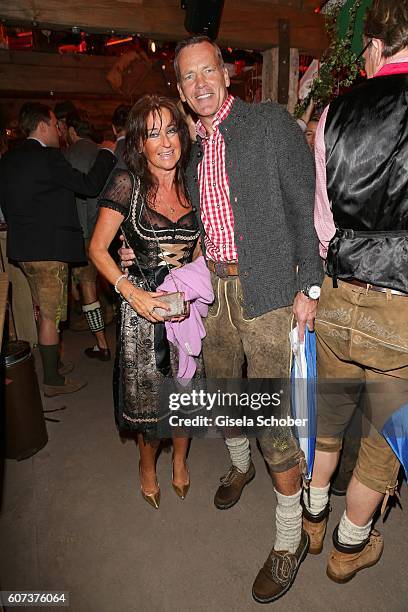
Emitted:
<point x="50" y="358"/>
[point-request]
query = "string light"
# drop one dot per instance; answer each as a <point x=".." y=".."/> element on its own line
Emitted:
<point x="119" y="41"/>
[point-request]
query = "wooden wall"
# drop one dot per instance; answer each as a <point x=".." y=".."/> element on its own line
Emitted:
<point x="26" y="75"/>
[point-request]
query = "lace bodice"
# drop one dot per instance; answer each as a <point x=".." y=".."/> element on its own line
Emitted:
<point x="145" y="229"/>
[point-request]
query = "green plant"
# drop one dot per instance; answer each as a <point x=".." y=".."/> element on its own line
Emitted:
<point x="340" y="66"/>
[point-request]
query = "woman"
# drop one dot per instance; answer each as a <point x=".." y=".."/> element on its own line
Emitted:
<point x="150" y="204"/>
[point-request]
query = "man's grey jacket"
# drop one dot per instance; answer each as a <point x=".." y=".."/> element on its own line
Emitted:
<point x="272" y="188"/>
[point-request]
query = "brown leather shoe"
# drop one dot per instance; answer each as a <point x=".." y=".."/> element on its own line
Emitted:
<point x="230" y="489"/>
<point x="346" y="560"/>
<point x="315" y="526"/>
<point x="98" y="353"/>
<point x="66" y="368"/>
<point x="278" y="574"/>
<point x="69" y="386"/>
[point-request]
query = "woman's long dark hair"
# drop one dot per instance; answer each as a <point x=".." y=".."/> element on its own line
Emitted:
<point x="137" y="134"/>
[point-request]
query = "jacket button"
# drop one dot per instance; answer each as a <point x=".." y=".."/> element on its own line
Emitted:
<point x="194" y="209"/>
<point x="199" y="154"/>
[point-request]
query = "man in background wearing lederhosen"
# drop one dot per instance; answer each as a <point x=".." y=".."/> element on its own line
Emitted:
<point x="361" y="218"/>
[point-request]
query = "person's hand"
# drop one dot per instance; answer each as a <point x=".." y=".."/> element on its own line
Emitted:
<point x="144" y="302"/>
<point x="304" y="310"/>
<point x="178" y="319"/>
<point x="108" y="144"/>
<point x="127" y="255"/>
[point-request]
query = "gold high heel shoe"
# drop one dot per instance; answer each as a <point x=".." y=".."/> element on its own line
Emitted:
<point x="152" y="498"/>
<point x="182" y="490"/>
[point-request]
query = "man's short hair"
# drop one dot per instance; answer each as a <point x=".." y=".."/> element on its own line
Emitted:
<point x="81" y="124"/>
<point x="387" y="20"/>
<point x="189" y="42"/>
<point x="120" y="116"/>
<point x="63" y="109"/>
<point x="30" y="115"/>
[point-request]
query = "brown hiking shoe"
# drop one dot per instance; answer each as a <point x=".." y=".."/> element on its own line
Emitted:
<point x="66" y="368"/>
<point x="346" y="560"/>
<point x="315" y="526"/>
<point x="278" y="574"/>
<point x="230" y="489"/>
<point x="69" y="386"/>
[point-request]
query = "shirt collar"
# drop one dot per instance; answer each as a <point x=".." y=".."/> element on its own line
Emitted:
<point x="219" y="117"/>
<point x="38" y="140"/>
<point x="396" y="66"/>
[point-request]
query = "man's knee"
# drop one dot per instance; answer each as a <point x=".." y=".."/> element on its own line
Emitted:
<point x="329" y="445"/>
<point x="281" y="451"/>
<point x="377" y="466"/>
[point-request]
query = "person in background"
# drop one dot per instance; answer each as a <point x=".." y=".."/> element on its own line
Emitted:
<point x="361" y="217"/>
<point x="119" y="119"/>
<point x="37" y="195"/>
<point x="81" y="154"/>
<point x="310" y="133"/>
<point x="21" y="305"/>
<point x="306" y="117"/>
<point x="62" y="110"/>
<point x="308" y="124"/>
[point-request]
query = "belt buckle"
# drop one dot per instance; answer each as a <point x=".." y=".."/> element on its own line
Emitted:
<point x="221" y="269"/>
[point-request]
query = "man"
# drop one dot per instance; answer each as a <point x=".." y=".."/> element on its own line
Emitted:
<point x="62" y="110"/>
<point x="251" y="181"/>
<point x="362" y="219"/>
<point x="119" y="119"/>
<point x="81" y="154"/>
<point x="44" y="234"/>
<point x="310" y="133"/>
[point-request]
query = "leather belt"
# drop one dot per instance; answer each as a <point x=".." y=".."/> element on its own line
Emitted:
<point x="223" y="269"/>
<point x="369" y="287"/>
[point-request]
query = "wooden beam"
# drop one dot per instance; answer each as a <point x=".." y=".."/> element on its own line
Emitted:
<point x="284" y="60"/>
<point x="77" y="76"/>
<point x="245" y="24"/>
<point x="47" y="72"/>
<point x="293" y="80"/>
<point x="270" y="74"/>
<point x="270" y="71"/>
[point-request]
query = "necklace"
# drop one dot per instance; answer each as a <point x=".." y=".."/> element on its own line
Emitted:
<point x="160" y="202"/>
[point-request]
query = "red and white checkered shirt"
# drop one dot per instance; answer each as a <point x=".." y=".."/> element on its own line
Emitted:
<point x="215" y="205"/>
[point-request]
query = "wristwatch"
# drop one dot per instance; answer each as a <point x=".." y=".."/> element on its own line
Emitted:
<point x="311" y="291"/>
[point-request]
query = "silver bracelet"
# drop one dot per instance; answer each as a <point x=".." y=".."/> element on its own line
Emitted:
<point x="122" y="276"/>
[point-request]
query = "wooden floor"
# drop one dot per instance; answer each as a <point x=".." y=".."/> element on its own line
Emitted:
<point x="73" y="519"/>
